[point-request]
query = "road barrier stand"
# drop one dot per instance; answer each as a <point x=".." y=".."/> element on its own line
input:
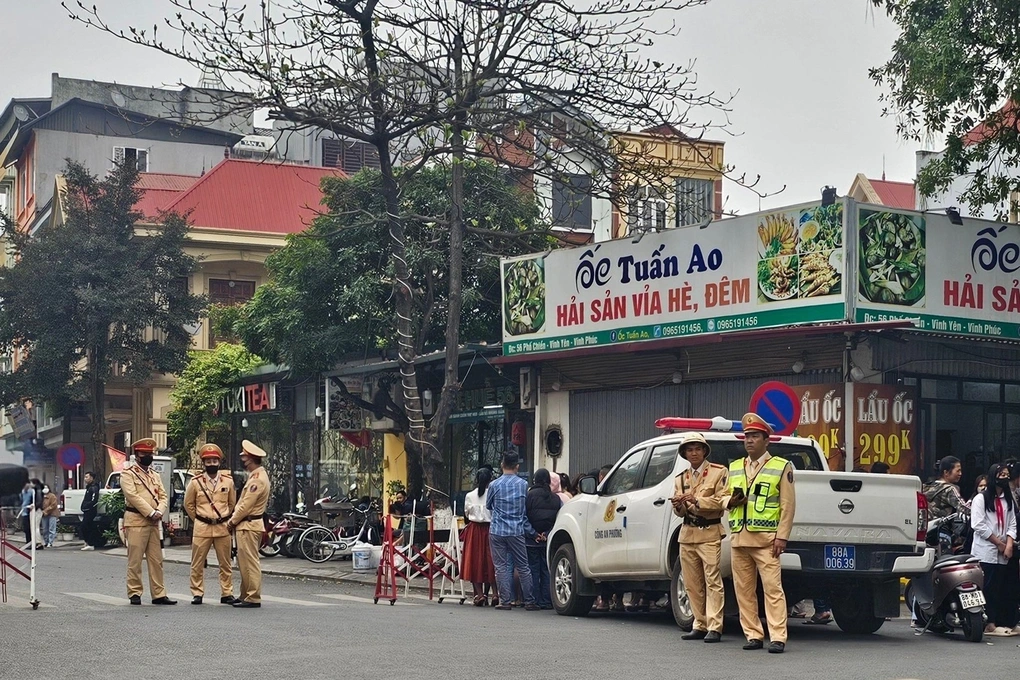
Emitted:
<point x="9" y="549"/>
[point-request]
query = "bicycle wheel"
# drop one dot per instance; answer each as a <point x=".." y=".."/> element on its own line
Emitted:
<point x="315" y="544"/>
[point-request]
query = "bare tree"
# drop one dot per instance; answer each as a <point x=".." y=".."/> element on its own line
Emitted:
<point x="541" y="85"/>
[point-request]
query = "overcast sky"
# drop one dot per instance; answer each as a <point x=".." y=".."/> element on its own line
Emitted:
<point x="805" y="113"/>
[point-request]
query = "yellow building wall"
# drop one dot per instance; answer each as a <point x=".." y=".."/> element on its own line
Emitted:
<point x="394" y="464"/>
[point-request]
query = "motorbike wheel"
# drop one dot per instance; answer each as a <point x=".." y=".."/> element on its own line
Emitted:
<point x="973" y="625"/>
<point x="315" y="546"/>
<point x="290" y="546"/>
<point x="270" y="550"/>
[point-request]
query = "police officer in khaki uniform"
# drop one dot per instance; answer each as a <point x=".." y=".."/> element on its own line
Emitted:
<point x="209" y="500"/>
<point x="146" y="503"/>
<point x="246" y="522"/>
<point x="761" y="507"/>
<point x="697" y="497"/>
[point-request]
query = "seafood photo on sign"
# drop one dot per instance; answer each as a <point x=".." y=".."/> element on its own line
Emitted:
<point x="801" y="253"/>
<point x="892" y="258"/>
<point x="524" y="293"/>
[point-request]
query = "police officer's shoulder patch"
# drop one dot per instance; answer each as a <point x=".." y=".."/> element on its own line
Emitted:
<point x="789" y="476"/>
<point x="253" y="487"/>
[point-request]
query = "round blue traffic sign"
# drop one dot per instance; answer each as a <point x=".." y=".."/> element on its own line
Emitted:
<point x="70" y="456"/>
<point x="778" y="405"/>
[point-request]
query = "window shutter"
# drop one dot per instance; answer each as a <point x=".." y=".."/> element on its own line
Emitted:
<point x="331" y="153"/>
<point x="118" y="155"/>
<point x="143" y="160"/>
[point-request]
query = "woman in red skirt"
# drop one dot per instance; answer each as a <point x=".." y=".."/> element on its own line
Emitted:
<point x="476" y="565"/>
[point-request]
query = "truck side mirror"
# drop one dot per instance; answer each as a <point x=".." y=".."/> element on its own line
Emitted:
<point x="588" y="485"/>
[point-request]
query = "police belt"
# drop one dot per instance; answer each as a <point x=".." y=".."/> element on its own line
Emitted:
<point x="206" y="520"/>
<point x="701" y="522"/>
<point x="249" y="518"/>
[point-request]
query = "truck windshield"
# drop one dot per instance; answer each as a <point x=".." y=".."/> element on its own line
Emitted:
<point x="802" y="457"/>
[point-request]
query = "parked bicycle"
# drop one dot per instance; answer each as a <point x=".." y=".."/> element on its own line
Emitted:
<point x="320" y="544"/>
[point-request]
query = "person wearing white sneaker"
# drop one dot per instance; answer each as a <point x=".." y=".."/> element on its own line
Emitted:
<point x="994" y="523"/>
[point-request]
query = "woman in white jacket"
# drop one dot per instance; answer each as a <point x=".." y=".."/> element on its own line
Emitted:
<point x="994" y="524"/>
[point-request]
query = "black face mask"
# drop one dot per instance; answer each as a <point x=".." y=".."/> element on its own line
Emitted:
<point x="212" y="469"/>
<point x="1002" y="483"/>
<point x="145" y="461"/>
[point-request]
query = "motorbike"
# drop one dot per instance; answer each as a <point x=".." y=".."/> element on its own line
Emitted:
<point x="949" y="597"/>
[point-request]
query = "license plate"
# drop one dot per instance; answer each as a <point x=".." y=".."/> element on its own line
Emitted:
<point x="840" y="557"/>
<point x="972" y="599"/>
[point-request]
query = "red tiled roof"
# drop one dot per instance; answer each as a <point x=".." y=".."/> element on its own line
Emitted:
<point x="254" y="196"/>
<point x="1004" y="118"/>
<point x="160" y="190"/>
<point x="894" y="194"/>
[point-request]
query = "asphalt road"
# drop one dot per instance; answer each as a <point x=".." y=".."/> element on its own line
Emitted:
<point x="309" y="629"/>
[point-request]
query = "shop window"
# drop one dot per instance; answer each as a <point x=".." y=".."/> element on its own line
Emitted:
<point x="947" y="389"/>
<point x="928" y="390"/>
<point x="980" y="391"/>
<point x="660" y="464"/>
<point x="909" y="382"/>
<point x="626" y="477"/>
<point x="1013" y="394"/>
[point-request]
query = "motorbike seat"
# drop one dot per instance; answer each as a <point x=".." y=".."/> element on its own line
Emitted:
<point x="952" y="559"/>
<point x="336" y="507"/>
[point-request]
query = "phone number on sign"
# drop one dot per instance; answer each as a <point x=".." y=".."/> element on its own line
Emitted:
<point x="683" y="329"/>
<point x="737" y="322"/>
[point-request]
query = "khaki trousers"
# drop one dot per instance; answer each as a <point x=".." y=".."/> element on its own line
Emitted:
<point x="144" y="541"/>
<point x="699" y="565"/>
<point x="199" y="551"/>
<point x="747" y="565"/>
<point x="248" y="564"/>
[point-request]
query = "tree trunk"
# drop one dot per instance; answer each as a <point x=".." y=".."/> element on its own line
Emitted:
<point x="97" y="408"/>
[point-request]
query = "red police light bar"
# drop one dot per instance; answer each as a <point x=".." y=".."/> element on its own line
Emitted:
<point x="718" y="424"/>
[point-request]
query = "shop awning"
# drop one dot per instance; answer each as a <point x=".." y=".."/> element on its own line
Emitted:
<point x="706" y="339"/>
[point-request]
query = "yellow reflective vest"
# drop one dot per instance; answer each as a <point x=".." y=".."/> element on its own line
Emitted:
<point x="761" y="512"/>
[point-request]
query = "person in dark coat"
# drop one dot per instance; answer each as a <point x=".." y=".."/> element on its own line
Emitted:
<point x="541" y="506"/>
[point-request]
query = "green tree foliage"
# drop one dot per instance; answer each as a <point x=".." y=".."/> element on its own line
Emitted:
<point x="93" y="292"/>
<point x="199" y="388"/>
<point x="955" y="65"/>
<point x="330" y="288"/>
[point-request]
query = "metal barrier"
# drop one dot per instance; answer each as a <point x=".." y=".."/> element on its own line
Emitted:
<point x="8" y="548"/>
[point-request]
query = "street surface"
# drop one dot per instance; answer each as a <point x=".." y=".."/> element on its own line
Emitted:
<point x="309" y="629"/>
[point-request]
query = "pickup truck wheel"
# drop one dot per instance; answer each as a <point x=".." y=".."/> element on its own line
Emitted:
<point x="854" y="615"/>
<point x="679" y="600"/>
<point x="565" y="576"/>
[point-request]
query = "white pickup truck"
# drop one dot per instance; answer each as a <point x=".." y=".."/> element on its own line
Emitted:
<point x="854" y="535"/>
<point x="175" y="481"/>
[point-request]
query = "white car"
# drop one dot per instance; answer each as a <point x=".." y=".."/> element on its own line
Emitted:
<point x="854" y="534"/>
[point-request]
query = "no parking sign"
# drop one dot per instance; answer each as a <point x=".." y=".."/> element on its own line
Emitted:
<point x="70" y="456"/>
<point x="778" y="404"/>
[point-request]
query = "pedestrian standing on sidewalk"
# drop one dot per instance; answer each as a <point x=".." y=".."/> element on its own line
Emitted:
<point x="246" y="523"/>
<point x="507" y="501"/>
<point x="50" y="515"/>
<point x="994" y="523"/>
<point x="25" y="514"/>
<point x="89" y="510"/>
<point x="476" y="565"/>
<point x="542" y="506"/>
<point x="209" y="501"/>
<point x="145" y="505"/>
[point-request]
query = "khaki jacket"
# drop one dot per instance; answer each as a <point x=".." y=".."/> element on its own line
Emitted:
<point x="708" y="492"/>
<point x="787" y="508"/>
<point x="253" y="502"/>
<point x="50" y="507"/>
<point x="196" y="504"/>
<point x="143" y="491"/>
